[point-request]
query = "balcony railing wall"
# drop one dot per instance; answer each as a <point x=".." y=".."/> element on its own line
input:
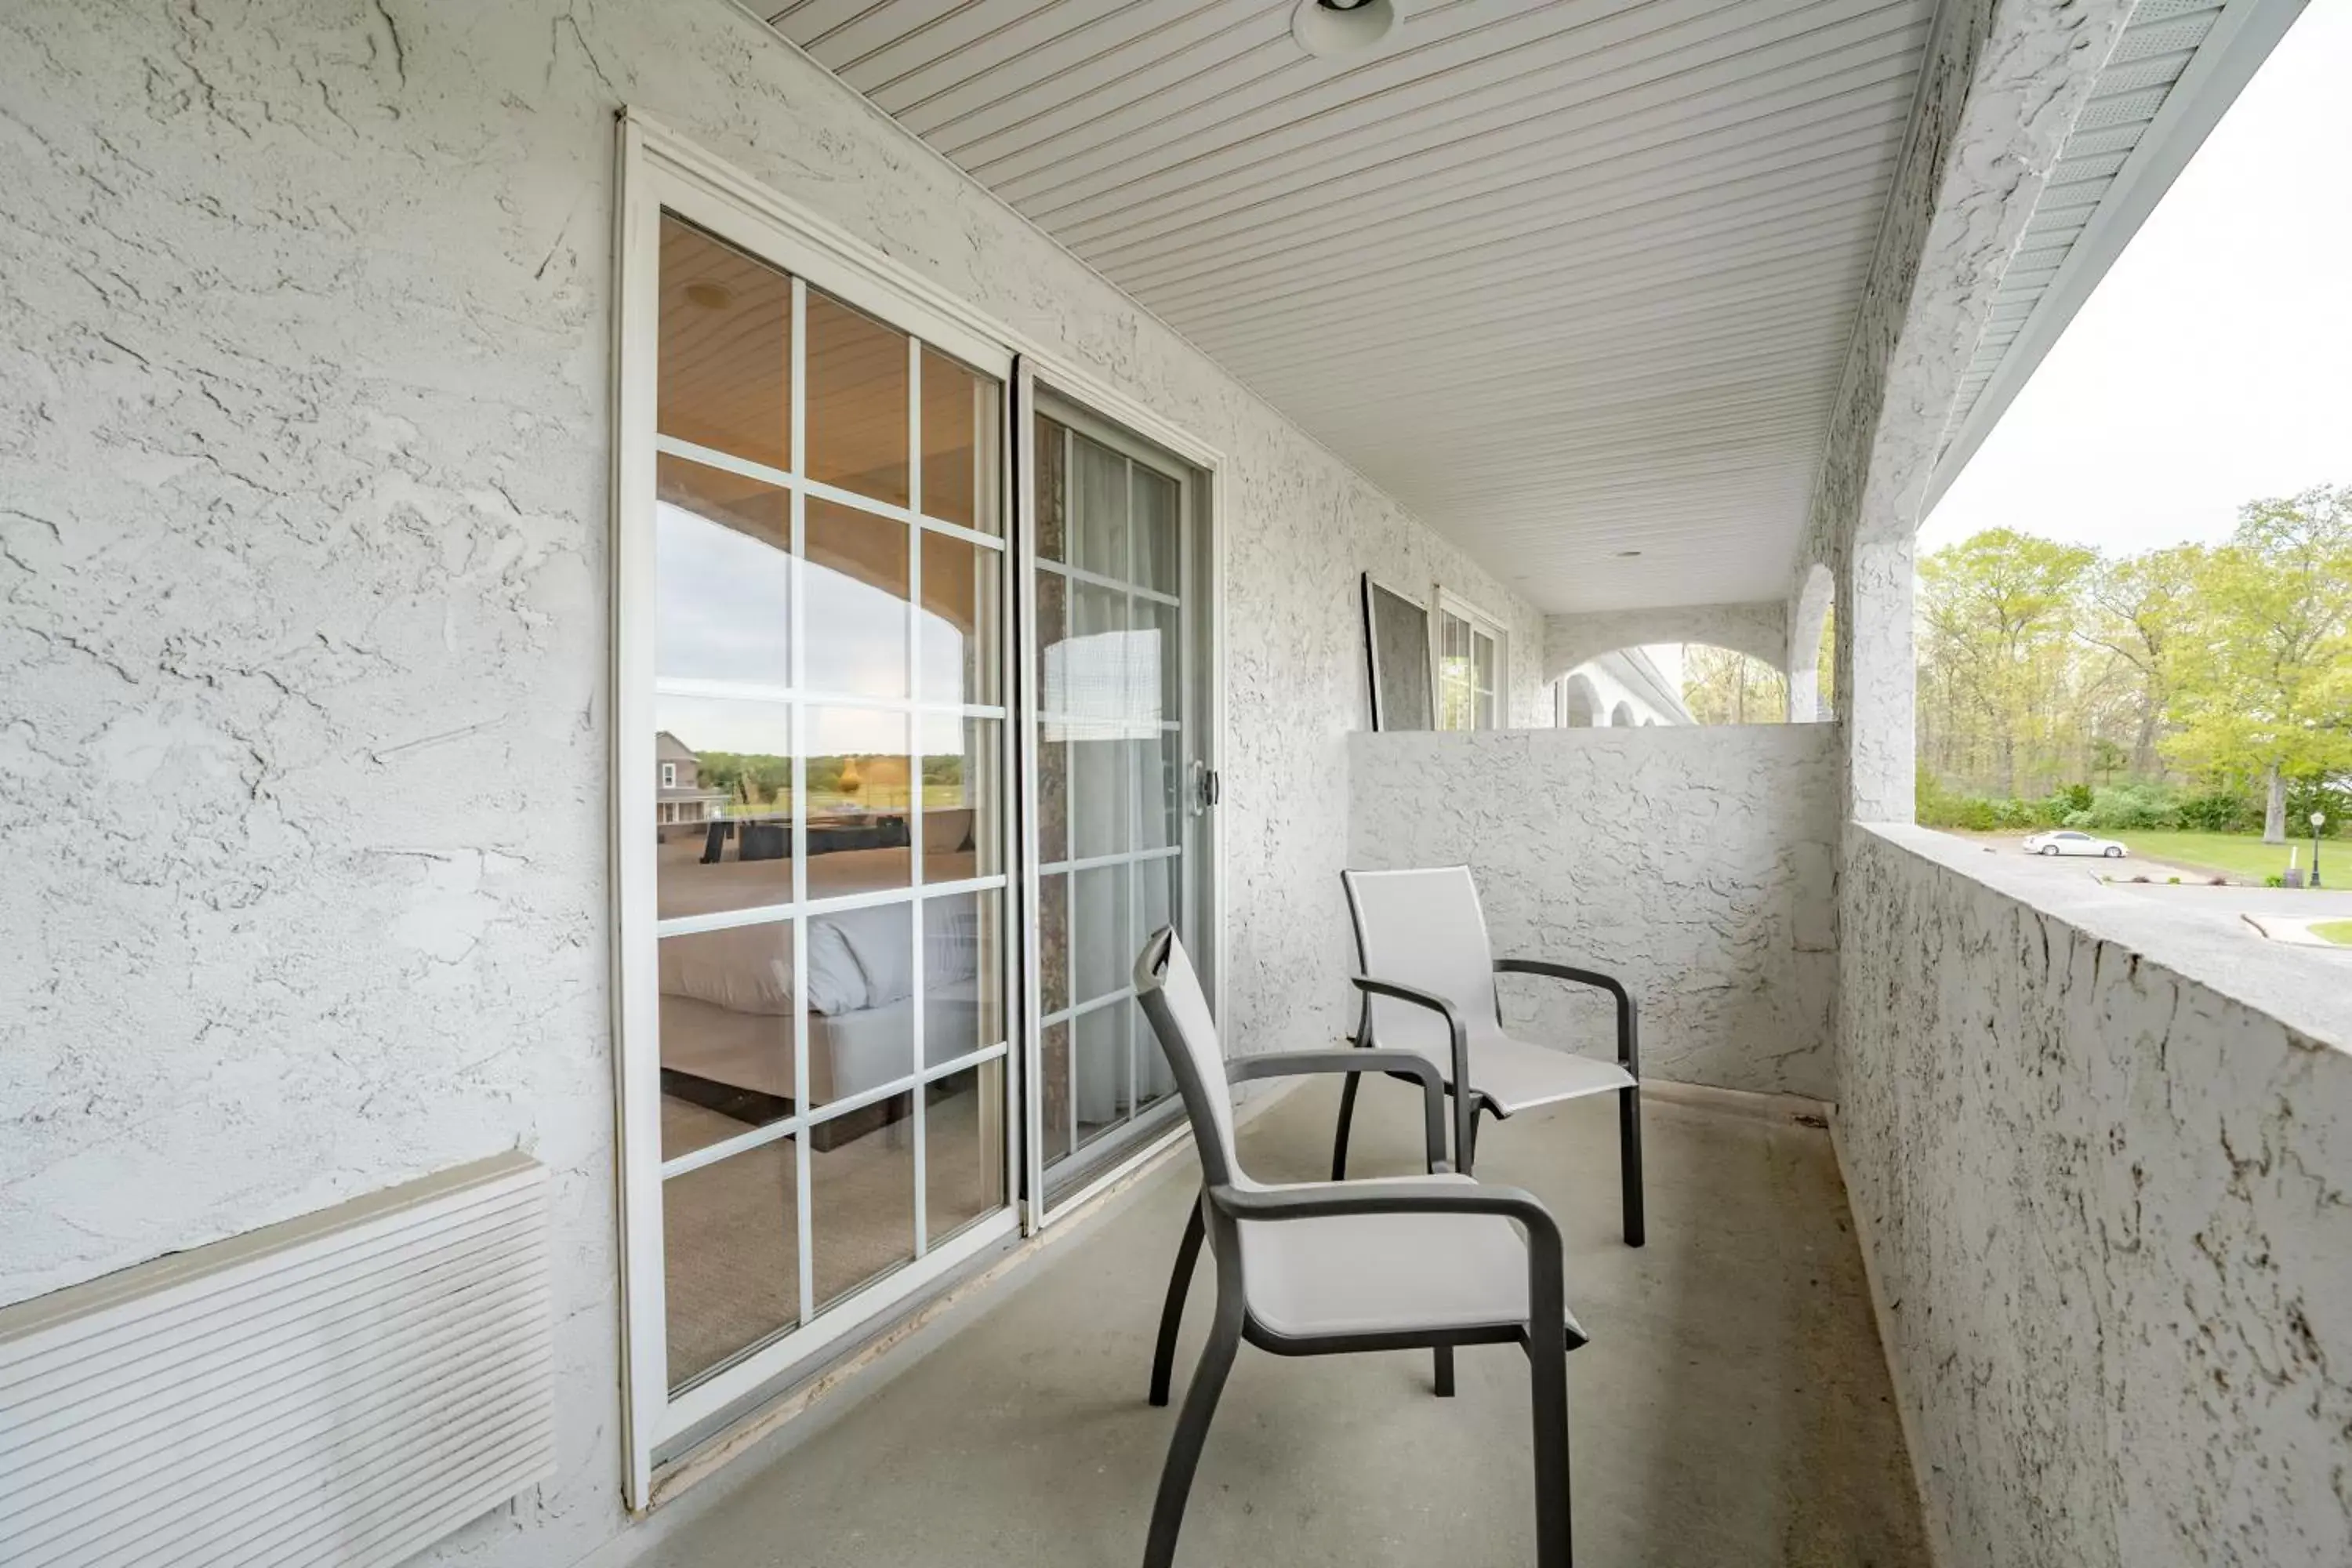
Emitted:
<point x="2102" y="1166"/>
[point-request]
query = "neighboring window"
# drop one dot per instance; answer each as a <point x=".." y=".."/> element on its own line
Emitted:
<point x="669" y="775"/>
<point x="1469" y="664"/>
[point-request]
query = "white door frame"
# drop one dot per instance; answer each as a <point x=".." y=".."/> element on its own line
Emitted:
<point x="658" y="169"/>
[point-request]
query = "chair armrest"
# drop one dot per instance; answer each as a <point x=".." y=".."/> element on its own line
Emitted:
<point x="1464" y="1107"/>
<point x="1629" y="1013"/>
<point x="1547" y="1288"/>
<point x="1283" y="1063"/>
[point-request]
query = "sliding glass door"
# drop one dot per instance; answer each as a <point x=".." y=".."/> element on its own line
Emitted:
<point x="819" y="948"/>
<point x="1121" y="783"/>
<point x="907" y="765"/>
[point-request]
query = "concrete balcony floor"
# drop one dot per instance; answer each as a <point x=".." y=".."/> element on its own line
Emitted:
<point x="1733" y="1407"/>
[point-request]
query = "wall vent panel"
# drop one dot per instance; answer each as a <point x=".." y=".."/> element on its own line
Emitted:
<point x="343" y="1388"/>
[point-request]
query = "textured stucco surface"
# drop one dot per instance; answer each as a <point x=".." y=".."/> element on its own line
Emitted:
<point x="1573" y="640"/>
<point x="304" y="313"/>
<point x="1696" y="864"/>
<point x="1806" y="613"/>
<point x="2003" y="85"/>
<point x="2099" y="1160"/>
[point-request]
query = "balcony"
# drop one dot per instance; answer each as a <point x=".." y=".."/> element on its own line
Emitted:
<point x="1741" y="1412"/>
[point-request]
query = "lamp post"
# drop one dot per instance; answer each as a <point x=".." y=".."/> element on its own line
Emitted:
<point x="2318" y="821"/>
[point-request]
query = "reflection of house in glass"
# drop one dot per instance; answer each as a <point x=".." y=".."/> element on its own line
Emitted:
<point x="679" y="795"/>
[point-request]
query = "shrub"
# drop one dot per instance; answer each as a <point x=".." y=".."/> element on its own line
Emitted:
<point x="2275" y="880"/>
<point x="2019" y="814"/>
<point x="2220" y="811"/>
<point x="2132" y="805"/>
<point x="1940" y="807"/>
<point x="1973" y="812"/>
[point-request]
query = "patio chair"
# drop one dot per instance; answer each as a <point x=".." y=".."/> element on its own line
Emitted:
<point x="1429" y="988"/>
<point x="1322" y="1268"/>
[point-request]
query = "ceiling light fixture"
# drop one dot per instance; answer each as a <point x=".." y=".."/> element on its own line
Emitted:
<point x="1325" y="27"/>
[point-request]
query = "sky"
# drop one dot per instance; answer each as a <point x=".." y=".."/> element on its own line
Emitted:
<point x="2213" y="363"/>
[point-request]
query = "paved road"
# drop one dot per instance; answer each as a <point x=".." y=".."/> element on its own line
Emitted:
<point x="2194" y="899"/>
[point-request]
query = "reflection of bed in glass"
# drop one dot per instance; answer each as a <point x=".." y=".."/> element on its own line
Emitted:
<point x="726" y="999"/>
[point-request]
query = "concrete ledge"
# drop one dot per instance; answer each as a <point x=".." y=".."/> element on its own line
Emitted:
<point x="2281" y="984"/>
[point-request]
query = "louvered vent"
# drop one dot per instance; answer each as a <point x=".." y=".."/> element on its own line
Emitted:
<point x="343" y="1388"/>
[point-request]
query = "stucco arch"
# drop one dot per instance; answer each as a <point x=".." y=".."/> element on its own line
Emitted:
<point x="1760" y="630"/>
<point x="1580" y="703"/>
<point x="1622" y="716"/>
<point x="1802" y="661"/>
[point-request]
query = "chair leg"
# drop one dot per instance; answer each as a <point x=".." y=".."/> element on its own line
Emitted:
<point x="1469" y="1151"/>
<point x="1547" y="1370"/>
<point x="1442" y="1355"/>
<point x="1192" y="1429"/>
<point x="1629" y="1155"/>
<point x="1171" y="1314"/>
<point x="1347" y="1118"/>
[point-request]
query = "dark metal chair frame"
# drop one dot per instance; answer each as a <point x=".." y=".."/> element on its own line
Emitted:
<point x="1223" y="1205"/>
<point x="1468" y="1108"/>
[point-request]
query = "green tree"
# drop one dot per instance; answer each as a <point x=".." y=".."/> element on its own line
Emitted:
<point x="1720" y="686"/>
<point x="2140" y="607"/>
<point x="1998" y="613"/>
<point x="1825" y="665"/>
<point x="2264" y="686"/>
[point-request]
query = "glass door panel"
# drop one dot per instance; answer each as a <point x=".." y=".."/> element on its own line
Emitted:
<point x="827" y="917"/>
<point x="1113" y="746"/>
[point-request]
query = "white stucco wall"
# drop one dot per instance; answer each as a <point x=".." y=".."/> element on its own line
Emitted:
<point x="304" y="315"/>
<point x="2099" y="1164"/>
<point x="1696" y="864"/>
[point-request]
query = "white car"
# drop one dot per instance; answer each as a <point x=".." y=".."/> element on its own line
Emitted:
<point x="2066" y="841"/>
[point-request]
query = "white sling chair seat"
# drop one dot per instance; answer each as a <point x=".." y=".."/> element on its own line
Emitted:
<point x="1517" y="1074"/>
<point x="1386" y="1273"/>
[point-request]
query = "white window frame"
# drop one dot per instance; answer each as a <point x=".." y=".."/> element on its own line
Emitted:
<point x="669" y="775"/>
<point x="1481" y="625"/>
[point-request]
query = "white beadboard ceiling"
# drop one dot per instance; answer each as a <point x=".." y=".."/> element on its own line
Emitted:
<point x="1570" y="278"/>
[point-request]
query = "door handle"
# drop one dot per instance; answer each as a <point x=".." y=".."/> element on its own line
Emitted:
<point x="1208" y="787"/>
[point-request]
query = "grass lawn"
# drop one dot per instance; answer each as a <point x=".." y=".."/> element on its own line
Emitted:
<point x="2336" y="931"/>
<point x="2240" y="856"/>
<point x="2236" y="855"/>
